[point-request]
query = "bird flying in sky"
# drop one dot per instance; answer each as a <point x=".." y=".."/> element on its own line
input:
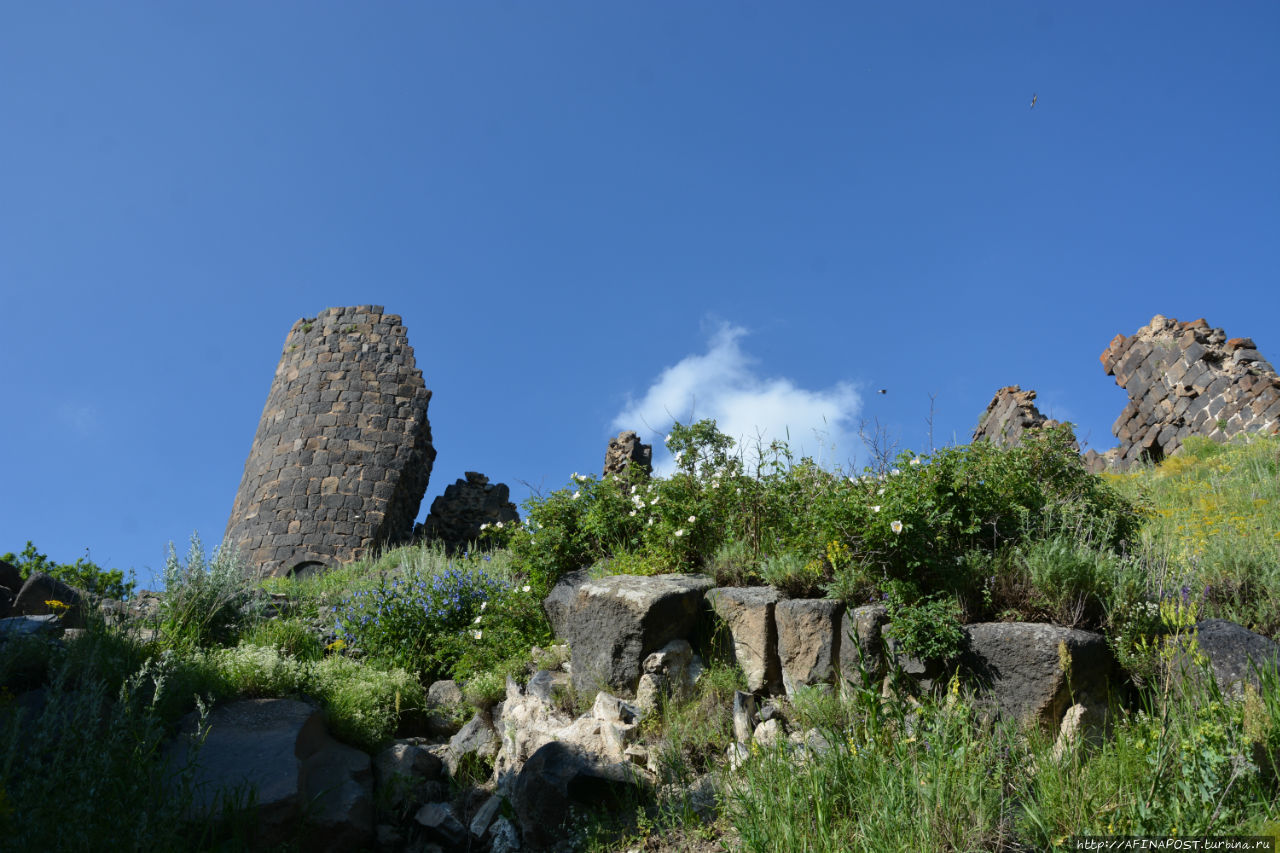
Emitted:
<point x="1033" y="100"/>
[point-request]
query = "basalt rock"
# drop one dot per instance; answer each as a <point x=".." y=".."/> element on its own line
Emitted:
<point x="458" y="515"/>
<point x="627" y="450"/>
<point x="1010" y="413"/>
<point x="343" y="451"/>
<point x="1186" y="379"/>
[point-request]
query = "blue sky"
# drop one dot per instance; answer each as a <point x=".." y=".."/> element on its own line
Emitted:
<point x="591" y="214"/>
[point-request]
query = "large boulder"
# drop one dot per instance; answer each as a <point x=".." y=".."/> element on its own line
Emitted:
<point x="1236" y="655"/>
<point x="748" y="616"/>
<point x="279" y="750"/>
<point x="10" y="583"/>
<point x="808" y="641"/>
<point x="558" y="776"/>
<point x="559" y="604"/>
<point x="614" y="623"/>
<point x="40" y="589"/>
<point x="1033" y="672"/>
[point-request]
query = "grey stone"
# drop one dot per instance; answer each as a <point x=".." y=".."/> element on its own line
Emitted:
<point x="559" y="603"/>
<point x="1236" y="654"/>
<point x="1019" y="667"/>
<point x="279" y="750"/>
<point x="442" y="825"/>
<point x="558" y="776"/>
<point x="748" y="615"/>
<point x="30" y="626"/>
<point x="617" y="621"/>
<point x="862" y="646"/>
<point x="402" y="772"/>
<point x="485" y="816"/>
<point x="41" y="588"/>
<point x="808" y="641"/>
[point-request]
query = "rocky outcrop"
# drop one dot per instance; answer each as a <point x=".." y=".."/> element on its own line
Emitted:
<point x="627" y="450"/>
<point x="1235" y="654"/>
<point x="280" y="751"/>
<point x="44" y="594"/>
<point x="614" y="623"/>
<point x="343" y="451"/>
<point x="559" y="776"/>
<point x="1184" y="379"/>
<point x="808" y="641"/>
<point x="1010" y="413"/>
<point x="458" y="515"/>
<point x="748" y="616"/>
<point x="1034" y="672"/>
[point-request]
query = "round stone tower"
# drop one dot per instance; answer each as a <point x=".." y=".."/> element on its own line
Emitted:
<point x="343" y="452"/>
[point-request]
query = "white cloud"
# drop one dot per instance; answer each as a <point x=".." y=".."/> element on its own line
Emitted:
<point x="723" y="384"/>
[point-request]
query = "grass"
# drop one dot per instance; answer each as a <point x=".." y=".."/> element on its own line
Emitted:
<point x="889" y="773"/>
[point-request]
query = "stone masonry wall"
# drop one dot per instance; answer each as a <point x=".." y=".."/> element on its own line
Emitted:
<point x="1186" y="378"/>
<point x="457" y="516"/>
<point x="627" y="450"/>
<point x="343" y="451"/>
<point x="1010" y="413"/>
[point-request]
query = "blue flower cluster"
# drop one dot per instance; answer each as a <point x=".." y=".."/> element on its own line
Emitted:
<point x="407" y="619"/>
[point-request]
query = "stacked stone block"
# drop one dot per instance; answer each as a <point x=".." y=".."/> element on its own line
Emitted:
<point x="1183" y="379"/>
<point x="1010" y="413"/>
<point x="457" y="516"/>
<point x="343" y="451"/>
<point x="627" y="450"/>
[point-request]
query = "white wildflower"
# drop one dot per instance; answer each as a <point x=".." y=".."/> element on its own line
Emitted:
<point x="915" y="461"/>
<point x="498" y="525"/>
<point x="476" y="621"/>
<point x="875" y="509"/>
<point x="680" y="532"/>
<point x="484" y="604"/>
<point x="895" y="472"/>
<point x="895" y="526"/>
<point x="526" y="588"/>
<point x="576" y="495"/>
<point x="692" y="519"/>
<point x="632" y="513"/>
<point x="477" y="634"/>
<point x="880" y="492"/>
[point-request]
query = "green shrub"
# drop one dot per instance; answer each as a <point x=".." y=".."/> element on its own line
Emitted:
<point x="83" y="574"/>
<point x="926" y="628"/>
<point x="443" y="620"/>
<point x="206" y="601"/>
<point x="91" y="755"/>
<point x="793" y="573"/>
<point x="364" y="703"/>
<point x="292" y="637"/>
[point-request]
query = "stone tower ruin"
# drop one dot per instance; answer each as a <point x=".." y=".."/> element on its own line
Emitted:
<point x="343" y="452"/>
<point x="1183" y="379"/>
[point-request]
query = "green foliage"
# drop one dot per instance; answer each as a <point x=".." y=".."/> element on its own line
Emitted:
<point x="92" y="753"/>
<point x="291" y="637"/>
<point x="442" y="618"/>
<point x="207" y="601"/>
<point x="83" y="574"/>
<point x="926" y="628"/>
<point x="1212" y="520"/>
<point x="928" y="515"/>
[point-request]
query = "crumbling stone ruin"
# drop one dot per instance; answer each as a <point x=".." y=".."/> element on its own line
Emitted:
<point x="343" y="451"/>
<point x="1185" y="378"/>
<point x="625" y="451"/>
<point x="457" y="515"/>
<point x="1010" y="413"/>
